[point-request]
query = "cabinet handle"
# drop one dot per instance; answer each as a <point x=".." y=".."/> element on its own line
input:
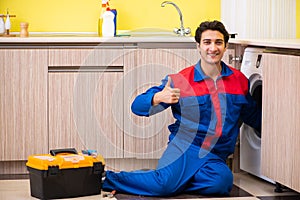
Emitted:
<point x="85" y="69"/>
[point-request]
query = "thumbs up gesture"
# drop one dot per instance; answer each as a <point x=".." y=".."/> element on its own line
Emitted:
<point x="167" y="95"/>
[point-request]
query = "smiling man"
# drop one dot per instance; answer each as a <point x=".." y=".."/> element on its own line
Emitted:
<point x="207" y="101"/>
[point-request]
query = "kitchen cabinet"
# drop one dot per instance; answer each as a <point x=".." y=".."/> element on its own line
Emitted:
<point x="281" y="113"/>
<point x="23" y="102"/>
<point x="146" y="137"/>
<point x="86" y="100"/>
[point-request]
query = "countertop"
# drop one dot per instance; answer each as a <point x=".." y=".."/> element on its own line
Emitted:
<point x="85" y="38"/>
<point x="276" y="43"/>
<point x="77" y="39"/>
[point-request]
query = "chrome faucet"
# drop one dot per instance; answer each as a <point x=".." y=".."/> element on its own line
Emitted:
<point x="181" y="31"/>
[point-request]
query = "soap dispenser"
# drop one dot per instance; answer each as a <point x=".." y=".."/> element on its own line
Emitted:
<point x="108" y="25"/>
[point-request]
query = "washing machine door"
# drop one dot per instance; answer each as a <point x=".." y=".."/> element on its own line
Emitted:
<point x="250" y="139"/>
<point x="256" y="93"/>
<point x="250" y="136"/>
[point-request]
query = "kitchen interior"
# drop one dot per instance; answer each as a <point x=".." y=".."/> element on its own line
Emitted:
<point x="68" y="82"/>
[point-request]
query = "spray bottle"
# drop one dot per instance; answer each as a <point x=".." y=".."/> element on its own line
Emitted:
<point x="107" y="20"/>
<point x="105" y="6"/>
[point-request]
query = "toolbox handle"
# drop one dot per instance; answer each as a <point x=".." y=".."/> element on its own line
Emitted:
<point x="54" y="152"/>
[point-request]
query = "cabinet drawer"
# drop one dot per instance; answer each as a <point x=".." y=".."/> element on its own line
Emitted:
<point x="86" y="57"/>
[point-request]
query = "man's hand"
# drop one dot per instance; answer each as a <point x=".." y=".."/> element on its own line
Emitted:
<point x="167" y="95"/>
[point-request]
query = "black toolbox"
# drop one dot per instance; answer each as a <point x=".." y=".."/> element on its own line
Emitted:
<point x="64" y="174"/>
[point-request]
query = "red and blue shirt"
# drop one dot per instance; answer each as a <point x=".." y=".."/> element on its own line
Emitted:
<point x="208" y="111"/>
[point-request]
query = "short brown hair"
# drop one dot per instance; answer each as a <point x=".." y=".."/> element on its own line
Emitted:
<point x="211" y="25"/>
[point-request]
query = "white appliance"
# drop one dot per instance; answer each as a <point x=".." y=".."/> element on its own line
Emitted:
<point x="250" y="139"/>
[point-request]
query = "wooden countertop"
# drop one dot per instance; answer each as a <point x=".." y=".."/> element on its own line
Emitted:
<point x="95" y="39"/>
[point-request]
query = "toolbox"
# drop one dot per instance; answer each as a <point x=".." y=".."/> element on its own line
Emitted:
<point x="65" y="173"/>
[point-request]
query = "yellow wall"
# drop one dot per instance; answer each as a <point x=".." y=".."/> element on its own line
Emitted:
<point x="82" y="15"/>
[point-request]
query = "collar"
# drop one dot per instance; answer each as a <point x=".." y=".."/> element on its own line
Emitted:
<point x="199" y="75"/>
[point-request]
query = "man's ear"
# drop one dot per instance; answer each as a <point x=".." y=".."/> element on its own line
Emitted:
<point x="226" y="45"/>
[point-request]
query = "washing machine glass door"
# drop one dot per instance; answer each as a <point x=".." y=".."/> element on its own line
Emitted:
<point x="256" y="93"/>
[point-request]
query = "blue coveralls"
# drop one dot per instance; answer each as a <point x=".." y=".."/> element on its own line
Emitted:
<point x="202" y="137"/>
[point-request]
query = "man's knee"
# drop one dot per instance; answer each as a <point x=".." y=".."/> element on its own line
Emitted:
<point x="214" y="180"/>
<point x="165" y="188"/>
<point x="222" y="185"/>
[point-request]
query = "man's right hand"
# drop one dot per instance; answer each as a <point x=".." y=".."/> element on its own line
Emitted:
<point x="167" y="95"/>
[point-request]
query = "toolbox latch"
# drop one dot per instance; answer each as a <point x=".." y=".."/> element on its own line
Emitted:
<point x="53" y="170"/>
<point x="98" y="168"/>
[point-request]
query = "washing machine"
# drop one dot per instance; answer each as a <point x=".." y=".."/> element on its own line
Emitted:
<point x="250" y="139"/>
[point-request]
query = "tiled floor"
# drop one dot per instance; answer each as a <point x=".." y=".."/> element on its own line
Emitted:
<point x="262" y="189"/>
<point x="247" y="188"/>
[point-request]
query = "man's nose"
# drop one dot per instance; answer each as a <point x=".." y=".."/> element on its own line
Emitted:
<point x="213" y="46"/>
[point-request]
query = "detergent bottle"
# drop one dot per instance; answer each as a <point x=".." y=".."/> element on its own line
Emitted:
<point x="108" y="25"/>
<point x="105" y="6"/>
<point x="105" y="20"/>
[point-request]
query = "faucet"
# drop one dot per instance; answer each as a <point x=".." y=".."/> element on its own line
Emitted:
<point x="181" y="31"/>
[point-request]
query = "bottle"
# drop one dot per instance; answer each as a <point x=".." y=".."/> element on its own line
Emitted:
<point x="114" y="11"/>
<point x="100" y="21"/>
<point x="105" y="7"/>
<point x="108" y="25"/>
<point x="7" y="24"/>
<point x="2" y="26"/>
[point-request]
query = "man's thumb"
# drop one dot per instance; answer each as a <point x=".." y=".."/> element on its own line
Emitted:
<point x="168" y="84"/>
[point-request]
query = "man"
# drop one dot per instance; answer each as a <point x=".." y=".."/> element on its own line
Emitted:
<point x="207" y="101"/>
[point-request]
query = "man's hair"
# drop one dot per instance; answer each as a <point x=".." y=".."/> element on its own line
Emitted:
<point x="211" y="25"/>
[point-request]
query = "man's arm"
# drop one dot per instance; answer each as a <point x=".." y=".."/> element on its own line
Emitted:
<point x="155" y="99"/>
<point x="252" y="114"/>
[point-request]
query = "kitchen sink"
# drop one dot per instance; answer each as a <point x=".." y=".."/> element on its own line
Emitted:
<point x="145" y="32"/>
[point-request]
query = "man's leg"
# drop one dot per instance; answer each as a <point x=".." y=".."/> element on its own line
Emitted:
<point x="176" y="167"/>
<point x="213" y="178"/>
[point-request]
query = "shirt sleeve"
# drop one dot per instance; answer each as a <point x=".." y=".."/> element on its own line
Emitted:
<point x="251" y="114"/>
<point x="142" y="104"/>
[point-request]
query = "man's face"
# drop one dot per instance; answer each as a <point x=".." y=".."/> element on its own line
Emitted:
<point x="211" y="47"/>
